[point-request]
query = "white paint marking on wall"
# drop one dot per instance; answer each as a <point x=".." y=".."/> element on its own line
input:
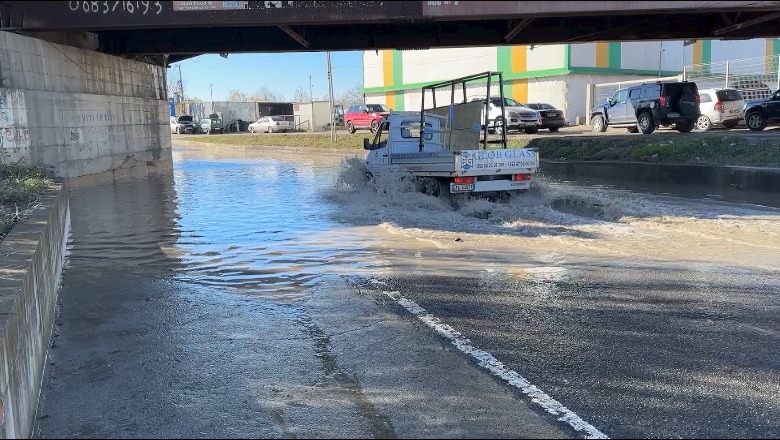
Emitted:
<point x="487" y="361"/>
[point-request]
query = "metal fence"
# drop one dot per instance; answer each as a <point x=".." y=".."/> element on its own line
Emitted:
<point x="755" y="78"/>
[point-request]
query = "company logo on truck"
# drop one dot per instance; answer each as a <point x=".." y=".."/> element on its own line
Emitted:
<point x="484" y="159"/>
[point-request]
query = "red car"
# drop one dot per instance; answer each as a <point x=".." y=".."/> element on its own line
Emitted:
<point x="365" y="116"/>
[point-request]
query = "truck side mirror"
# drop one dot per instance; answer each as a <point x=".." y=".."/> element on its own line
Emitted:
<point x="366" y="144"/>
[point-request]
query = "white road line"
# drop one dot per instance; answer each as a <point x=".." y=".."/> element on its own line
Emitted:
<point x="486" y="360"/>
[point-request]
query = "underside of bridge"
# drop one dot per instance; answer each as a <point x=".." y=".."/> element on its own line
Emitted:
<point x="182" y="29"/>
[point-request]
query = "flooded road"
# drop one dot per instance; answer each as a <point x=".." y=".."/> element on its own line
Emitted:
<point x="248" y="295"/>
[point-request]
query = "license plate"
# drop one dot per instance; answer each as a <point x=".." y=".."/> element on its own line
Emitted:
<point x="734" y="111"/>
<point x="673" y="115"/>
<point x="552" y="114"/>
<point x="468" y="187"/>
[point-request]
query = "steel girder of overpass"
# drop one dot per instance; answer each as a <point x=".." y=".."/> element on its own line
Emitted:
<point x="182" y="29"/>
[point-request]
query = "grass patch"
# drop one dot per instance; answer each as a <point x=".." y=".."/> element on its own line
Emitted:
<point x="344" y="141"/>
<point x="673" y="148"/>
<point x="20" y="187"/>
<point x="712" y="150"/>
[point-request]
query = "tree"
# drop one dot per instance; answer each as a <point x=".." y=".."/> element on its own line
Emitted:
<point x="301" y="95"/>
<point x="237" y="96"/>
<point x="265" y="95"/>
<point x="174" y="88"/>
<point x="351" y="96"/>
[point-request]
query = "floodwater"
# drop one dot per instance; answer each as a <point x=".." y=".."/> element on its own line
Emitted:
<point x="240" y="243"/>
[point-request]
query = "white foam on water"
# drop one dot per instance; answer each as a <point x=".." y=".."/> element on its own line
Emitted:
<point x="569" y="217"/>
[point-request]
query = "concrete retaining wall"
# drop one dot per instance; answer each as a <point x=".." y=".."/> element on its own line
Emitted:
<point x="729" y="177"/>
<point x="81" y="111"/>
<point x="30" y="268"/>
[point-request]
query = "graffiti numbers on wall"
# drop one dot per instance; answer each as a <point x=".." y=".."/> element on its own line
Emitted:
<point x="115" y="7"/>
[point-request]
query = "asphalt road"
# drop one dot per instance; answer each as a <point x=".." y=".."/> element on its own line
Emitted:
<point x="638" y="352"/>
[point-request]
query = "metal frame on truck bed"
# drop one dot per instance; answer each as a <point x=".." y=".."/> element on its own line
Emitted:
<point x="460" y="83"/>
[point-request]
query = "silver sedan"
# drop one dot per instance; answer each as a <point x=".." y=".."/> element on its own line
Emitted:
<point x="270" y="124"/>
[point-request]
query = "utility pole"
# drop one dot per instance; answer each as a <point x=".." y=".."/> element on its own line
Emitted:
<point x="311" y="104"/>
<point x="181" y="87"/>
<point x="331" y="101"/>
<point x="211" y="86"/>
<point x="660" y="57"/>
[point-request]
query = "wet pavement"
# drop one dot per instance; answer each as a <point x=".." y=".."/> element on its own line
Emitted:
<point x="244" y="295"/>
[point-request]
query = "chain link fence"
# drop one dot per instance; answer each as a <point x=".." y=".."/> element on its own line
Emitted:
<point x="755" y="78"/>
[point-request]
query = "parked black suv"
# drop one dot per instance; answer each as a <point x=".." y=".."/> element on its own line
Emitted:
<point x="758" y="113"/>
<point x="645" y="107"/>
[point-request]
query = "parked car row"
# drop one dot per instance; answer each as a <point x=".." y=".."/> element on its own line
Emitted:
<point x="682" y="105"/>
<point x="186" y="124"/>
<point x="529" y="118"/>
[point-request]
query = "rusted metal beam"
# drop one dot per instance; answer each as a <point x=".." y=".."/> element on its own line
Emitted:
<point x="295" y="36"/>
<point x="747" y="23"/>
<point x="517" y="29"/>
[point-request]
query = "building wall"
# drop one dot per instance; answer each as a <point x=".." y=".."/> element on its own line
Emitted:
<point x="556" y="74"/>
<point x="313" y="116"/>
<point x="81" y="111"/>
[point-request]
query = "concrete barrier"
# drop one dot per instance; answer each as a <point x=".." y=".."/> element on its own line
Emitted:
<point x="727" y="177"/>
<point x="31" y="259"/>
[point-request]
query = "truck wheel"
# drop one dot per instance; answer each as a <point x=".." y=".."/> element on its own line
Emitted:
<point x="428" y="185"/>
<point x="208" y="131"/>
<point x="685" y="127"/>
<point x="350" y="127"/>
<point x="755" y="121"/>
<point x="645" y="123"/>
<point x="597" y="124"/>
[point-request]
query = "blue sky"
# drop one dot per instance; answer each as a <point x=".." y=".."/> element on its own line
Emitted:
<point x="279" y="72"/>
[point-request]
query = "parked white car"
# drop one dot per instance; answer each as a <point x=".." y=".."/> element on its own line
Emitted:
<point x="270" y="124"/>
<point x="719" y="107"/>
<point x="518" y="116"/>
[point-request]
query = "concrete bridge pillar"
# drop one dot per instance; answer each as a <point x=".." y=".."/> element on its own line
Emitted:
<point x="81" y="111"/>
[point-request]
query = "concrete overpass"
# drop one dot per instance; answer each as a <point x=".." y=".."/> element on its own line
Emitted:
<point x="188" y="28"/>
<point x="83" y="87"/>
